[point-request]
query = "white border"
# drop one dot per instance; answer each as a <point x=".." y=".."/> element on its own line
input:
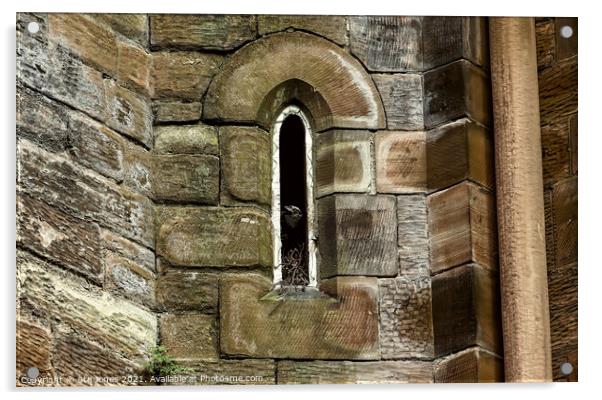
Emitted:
<point x="309" y="184"/>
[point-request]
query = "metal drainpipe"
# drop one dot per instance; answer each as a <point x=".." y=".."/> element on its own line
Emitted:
<point x="520" y="204"/>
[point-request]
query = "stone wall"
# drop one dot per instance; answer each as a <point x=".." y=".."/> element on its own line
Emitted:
<point x="144" y="196"/>
<point x="557" y="64"/>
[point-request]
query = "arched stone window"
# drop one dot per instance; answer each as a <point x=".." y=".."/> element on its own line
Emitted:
<point x="293" y="224"/>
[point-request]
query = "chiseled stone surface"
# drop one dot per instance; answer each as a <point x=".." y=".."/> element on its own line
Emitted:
<point x="212" y="32"/>
<point x="246" y="165"/>
<point x="122" y="326"/>
<point x="406" y="325"/>
<point x="183" y="74"/>
<point x="357" y="235"/>
<point x="402" y="98"/>
<point x="33" y="348"/>
<point x="350" y="372"/>
<point x="186" y="139"/>
<point x="412" y="235"/>
<point x="66" y="186"/>
<point x="213" y="236"/>
<point x="387" y="43"/>
<point x="177" y="111"/>
<point x="401" y="162"/>
<point x="123" y="277"/>
<point x="186" y="178"/>
<point x="237" y="92"/>
<point x="469" y="366"/>
<point x="129" y="113"/>
<point x="133" y="67"/>
<point x="132" y="26"/>
<point x="189" y="336"/>
<point x="180" y="290"/>
<point x="138" y="169"/>
<point x="344" y="162"/>
<point x="332" y="27"/>
<point x="341" y="323"/>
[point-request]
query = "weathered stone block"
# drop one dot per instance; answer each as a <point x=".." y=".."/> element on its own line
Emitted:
<point x="545" y="42"/>
<point x="133" y="67"/>
<point x="138" y="169"/>
<point x="412" y="235"/>
<point x="129" y="113"/>
<point x="565" y="218"/>
<point x="332" y="27"/>
<point x="187" y="291"/>
<point x="466" y="310"/>
<point x="344" y="162"/>
<point x="62" y="184"/>
<point x="456" y="90"/>
<point x="357" y="235"/>
<point x="120" y="325"/>
<point x="123" y="247"/>
<point x="81" y="362"/>
<point x="346" y="372"/>
<point x="212" y="32"/>
<point x="52" y="70"/>
<point x="246" y="165"/>
<point x="186" y="178"/>
<point x="95" y="146"/>
<point x="246" y="80"/>
<point x="68" y="241"/>
<point x="406" y="325"/>
<point x="447" y="39"/>
<point x="462" y="227"/>
<point x="231" y="372"/>
<point x="34" y="349"/>
<point x="387" y="43"/>
<point x="186" y="139"/>
<point x="189" y="336"/>
<point x="132" y="26"/>
<point x="175" y="111"/>
<point x="471" y="366"/>
<point x="184" y="74"/>
<point x="457" y="151"/>
<point x="94" y="43"/>
<point x="304" y="326"/>
<point x="126" y="278"/>
<point x="42" y="120"/>
<point x="216" y="237"/>
<point x="401" y="162"/>
<point x="402" y="98"/>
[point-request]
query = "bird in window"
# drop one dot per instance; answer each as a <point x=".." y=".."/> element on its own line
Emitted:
<point x="292" y="215"/>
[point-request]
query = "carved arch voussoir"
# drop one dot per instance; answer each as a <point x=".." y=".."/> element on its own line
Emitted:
<point x="264" y="75"/>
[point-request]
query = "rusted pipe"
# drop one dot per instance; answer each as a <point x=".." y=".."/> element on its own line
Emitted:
<point x="519" y="181"/>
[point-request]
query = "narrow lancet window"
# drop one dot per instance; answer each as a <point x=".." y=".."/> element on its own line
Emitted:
<point x="292" y="200"/>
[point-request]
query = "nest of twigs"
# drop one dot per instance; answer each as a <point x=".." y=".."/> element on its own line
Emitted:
<point x="294" y="267"/>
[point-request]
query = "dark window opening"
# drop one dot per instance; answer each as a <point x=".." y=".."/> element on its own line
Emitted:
<point x="293" y="202"/>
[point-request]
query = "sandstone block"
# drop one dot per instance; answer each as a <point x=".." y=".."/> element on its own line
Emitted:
<point x="68" y="241"/>
<point x="132" y="26"/>
<point x="471" y="366"/>
<point x="350" y="372"/>
<point x="447" y="39"/>
<point x="216" y="237"/>
<point x="120" y="325"/>
<point x="133" y="67"/>
<point x="184" y="74"/>
<point x="332" y="27"/>
<point x="179" y="290"/>
<point x="457" y="151"/>
<point x="189" y="336"/>
<point x="357" y="235"/>
<point x="546" y="43"/>
<point x="456" y="90"/>
<point x="186" y="139"/>
<point x="175" y="111"/>
<point x="138" y="169"/>
<point x="304" y="327"/>
<point x="344" y="162"/>
<point x="212" y="32"/>
<point x="402" y="99"/>
<point x="186" y="178"/>
<point x="466" y="310"/>
<point x="246" y="165"/>
<point x="34" y="349"/>
<point x="406" y="323"/>
<point x="129" y="113"/>
<point x="123" y="277"/>
<point x="565" y="219"/>
<point x="387" y="43"/>
<point x="462" y="227"/>
<point x="401" y="162"/>
<point x="127" y="249"/>
<point x="412" y="235"/>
